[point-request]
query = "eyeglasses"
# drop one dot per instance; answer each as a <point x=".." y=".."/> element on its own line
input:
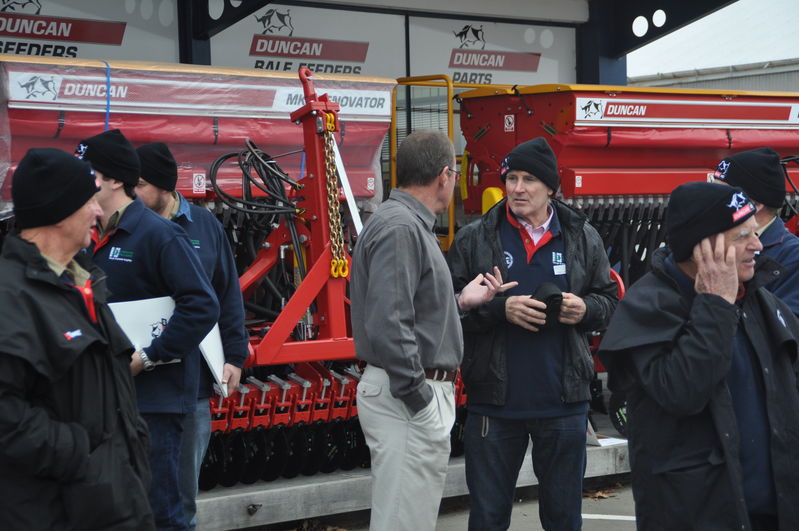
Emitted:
<point x="456" y="172"/>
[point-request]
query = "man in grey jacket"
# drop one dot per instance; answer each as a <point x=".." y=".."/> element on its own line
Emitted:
<point x="405" y="321"/>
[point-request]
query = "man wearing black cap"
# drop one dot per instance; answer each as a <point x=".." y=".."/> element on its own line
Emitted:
<point x="706" y="357"/>
<point x="527" y="368"/>
<point x="146" y="256"/>
<point x="72" y="444"/>
<point x="760" y="174"/>
<point x="156" y="188"/>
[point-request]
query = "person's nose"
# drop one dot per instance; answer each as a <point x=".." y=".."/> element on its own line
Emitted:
<point x="755" y="244"/>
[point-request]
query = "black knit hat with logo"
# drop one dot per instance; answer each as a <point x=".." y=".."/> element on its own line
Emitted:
<point x="535" y="157"/>
<point x="111" y="154"/>
<point x="48" y="186"/>
<point x="758" y="172"/>
<point x="698" y="210"/>
<point x="158" y="166"/>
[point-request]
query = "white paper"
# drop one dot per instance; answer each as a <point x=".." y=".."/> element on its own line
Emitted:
<point x="593" y="439"/>
<point x="145" y="319"/>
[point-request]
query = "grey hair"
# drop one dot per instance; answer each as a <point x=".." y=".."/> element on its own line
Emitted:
<point x="422" y="156"/>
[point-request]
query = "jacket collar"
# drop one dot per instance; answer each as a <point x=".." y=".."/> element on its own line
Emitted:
<point x="774" y="234"/>
<point x="569" y="220"/>
<point x="20" y="250"/>
<point x="184" y="208"/>
<point x="132" y="216"/>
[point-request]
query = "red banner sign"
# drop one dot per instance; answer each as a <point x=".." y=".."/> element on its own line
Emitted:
<point x="309" y="48"/>
<point x="61" y="29"/>
<point x="485" y="60"/>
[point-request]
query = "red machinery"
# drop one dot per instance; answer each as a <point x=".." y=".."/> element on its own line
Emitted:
<point x="295" y="412"/>
<point x="621" y="150"/>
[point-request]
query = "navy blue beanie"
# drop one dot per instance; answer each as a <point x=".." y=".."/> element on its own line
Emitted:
<point x="758" y="172"/>
<point x="111" y="154"/>
<point x="48" y="186"/>
<point x="698" y="210"/>
<point x="158" y="166"/>
<point x="535" y="157"/>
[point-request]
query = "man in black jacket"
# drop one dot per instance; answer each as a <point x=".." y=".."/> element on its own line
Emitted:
<point x="706" y="357"/>
<point x="73" y="448"/>
<point x="526" y="366"/>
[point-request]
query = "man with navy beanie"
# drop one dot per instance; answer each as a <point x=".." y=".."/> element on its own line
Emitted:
<point x="760" y="174"/>
<point x="73" y="448"/>
<point x="146" y="256"/>
<point x="526" y="367"/>
<point x="156" y="188"/>
<point x="706" y="357"/>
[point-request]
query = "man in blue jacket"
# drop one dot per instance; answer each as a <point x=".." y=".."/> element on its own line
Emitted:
<point x="156" y="188"/>
<point x="146" y="256"/>
<point x="760" y="174"/>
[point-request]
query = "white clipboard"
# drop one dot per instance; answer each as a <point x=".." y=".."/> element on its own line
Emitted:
<point x="145" y="319"/>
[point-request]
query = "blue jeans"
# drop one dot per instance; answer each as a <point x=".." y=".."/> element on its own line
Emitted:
<point x="164" y="495"/>
<point x="196" y="434"/>
<point x="495" y="449"/>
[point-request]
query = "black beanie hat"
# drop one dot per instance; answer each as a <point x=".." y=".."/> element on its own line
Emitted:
<point x="111" y="154"/>
<point x="758" y="172"/>
<point x="535" y="157"/>
<point x="697" y="210"/>
<point x="158" y="166"/>
<point x="49" y="185"/>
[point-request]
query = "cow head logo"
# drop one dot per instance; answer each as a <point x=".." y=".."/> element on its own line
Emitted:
<point x="471" y="37"/>
<point x="737" y="201"/>
<point x="157" y="328"/>
<point x="592" y="109"/>
<point x="38" y="87"/>
<point x="273" y="21"/>
<point x="721" y="170"/>
<point x="31" y="7"/>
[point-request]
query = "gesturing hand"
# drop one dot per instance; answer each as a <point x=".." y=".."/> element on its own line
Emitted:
<point x="716" y="268"/>
<point x="482" y="289"/>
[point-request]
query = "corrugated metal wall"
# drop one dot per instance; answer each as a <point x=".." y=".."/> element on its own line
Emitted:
<point x="776" y="76"/>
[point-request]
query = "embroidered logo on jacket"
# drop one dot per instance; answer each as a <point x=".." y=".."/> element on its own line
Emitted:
<point x="72" y="334"/>
<point x="558" y="267"/>
<point x="118" y="255"/>
<point x="508" y="259"/>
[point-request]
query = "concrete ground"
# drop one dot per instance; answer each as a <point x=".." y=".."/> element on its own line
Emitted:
<point x="607" y="506"/>
<point x="607" y="502"/>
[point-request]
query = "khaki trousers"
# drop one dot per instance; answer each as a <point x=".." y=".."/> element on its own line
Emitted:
<point x="410" y="454"/>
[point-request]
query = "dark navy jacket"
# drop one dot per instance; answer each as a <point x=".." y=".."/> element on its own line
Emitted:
<point x="477" y="248"/>
<point x="148" y="256"/>
<point x="209" y="239"/>
<point x="782" y="246"/>
<point x="534" y="381"/>
<point x="670" y="352"/>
